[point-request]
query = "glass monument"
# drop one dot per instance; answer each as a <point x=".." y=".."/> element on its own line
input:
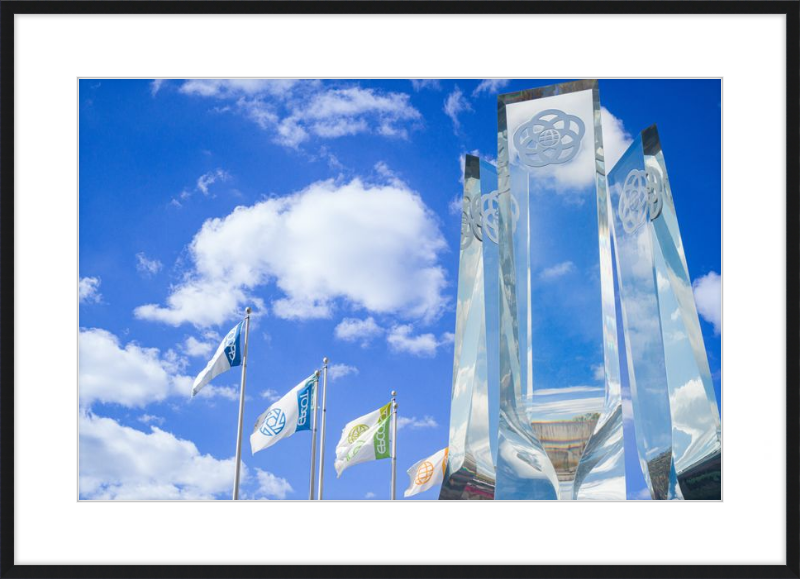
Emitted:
<point x="558" y="339"/>
<point x="675" y="411"/>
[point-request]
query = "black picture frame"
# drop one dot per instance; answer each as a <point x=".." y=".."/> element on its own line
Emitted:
<point x="10" y="8"/>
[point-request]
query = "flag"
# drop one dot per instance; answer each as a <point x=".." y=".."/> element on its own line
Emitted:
<point x="427" y="473"/>
<point x="290" y="414"/>
<point x="364" y="439"/>
<point x="228" y="355"/>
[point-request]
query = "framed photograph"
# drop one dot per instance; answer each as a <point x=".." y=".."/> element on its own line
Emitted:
<point x="341" y="289"/>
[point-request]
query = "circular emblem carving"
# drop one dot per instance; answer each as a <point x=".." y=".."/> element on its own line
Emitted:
<point x="551" y="137"/>
<point x="273" y="423"/>
<point x="641" y="191"/>
<point x="655" y="191"/>
<point x="490" y="209"/>
<point x="481" y="216"/>
<point x="424" y="473"/>
<point x="356" y="431"/>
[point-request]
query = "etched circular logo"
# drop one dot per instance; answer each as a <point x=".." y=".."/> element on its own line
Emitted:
<point x="551" y="137"/>
<point x="641" y="191"/>
<point x="273" y="422"/>
<point x="491" y="211"/>
<point x="356" y="431"/>
<point x="471" y="221"/>
<point x="424" y="473"/>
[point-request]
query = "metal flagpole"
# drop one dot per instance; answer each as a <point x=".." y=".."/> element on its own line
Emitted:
<point x="241" y="405"/>
<point x="394" y="443"/>
<point x="322" y="437"/>
<point x="314" y="439"/>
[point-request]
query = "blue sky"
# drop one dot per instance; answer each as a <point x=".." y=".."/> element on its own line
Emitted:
<point x="327" y="206"/>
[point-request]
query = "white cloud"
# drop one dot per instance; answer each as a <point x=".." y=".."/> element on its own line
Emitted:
<point x="207" y="179"/>
<point x="401" y="339"/>
<point x="708" y="297"/>
<point x="155" y="86"/>
<point x="455" y="104"/>
<point x="370" y="495"/>
<point x="336" y="371"/>
<point x="203" y="185"/>
<point x="295" y="111"/>
<point x="88" y="290"/>
<point x="353" y="329"/>
<point x="415" y="423"/>
<point x="271" y="395"/>
<point x="146" y="266"/>
<point x="151" y="419"/>
<point x="599" y="372"/>
<point x="119" y="462"/>
<point x="271" y="486"/>
<point x="456" y="205"/>
<point x="132" y="376"/>
<point x="616" y="139"/>
<point x="423" y="83"/>
<point x="373" y="246"/>
<point x="557" y="271"/>
<point x="236" y="88"/>
<point x="490" y="86"/>
<point x="197" y="349"/>
<point x="227" y="392"/>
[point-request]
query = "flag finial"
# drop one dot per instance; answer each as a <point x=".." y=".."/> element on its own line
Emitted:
<point x="247" y="310"/>
<point x="325" y="360"/>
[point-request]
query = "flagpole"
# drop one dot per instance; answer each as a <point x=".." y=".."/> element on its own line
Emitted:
<point x="322" y="437"/>
<point x="241" y="405"/>
<point x="394" y="442"/>
<point x="314" y="439"/>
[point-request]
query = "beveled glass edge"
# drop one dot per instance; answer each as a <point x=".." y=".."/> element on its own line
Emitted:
<point x="472" y="167"/>
<point x="651" y="142"/>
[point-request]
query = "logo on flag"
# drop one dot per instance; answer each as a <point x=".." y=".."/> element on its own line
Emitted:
<point x="424" y="473"/>
<point x="427" y="473"/>
<point x="363" y="439"/>
<point x="228" y="355"/>
<point x="230" y="345"/>
<point x="273" y="423"/>
<point x="356" y="431"/>
<point x="290" y="414"/>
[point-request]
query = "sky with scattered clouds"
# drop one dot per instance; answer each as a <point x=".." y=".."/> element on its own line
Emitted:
<point x="327" y="207"/>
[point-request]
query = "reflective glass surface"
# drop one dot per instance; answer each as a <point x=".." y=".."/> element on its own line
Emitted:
<point x="470" y="470"/>
<point x="675" y="412"/>
<point x="559" y="366"/>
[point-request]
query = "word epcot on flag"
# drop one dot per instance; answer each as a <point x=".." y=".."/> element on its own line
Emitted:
<point x="364" y="439"/>
<point x="288" y="415"/>
<point x="228" y="355"/>
<point x="427" y="473"/>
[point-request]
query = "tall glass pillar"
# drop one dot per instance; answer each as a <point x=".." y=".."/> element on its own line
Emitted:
<point x="559" y="364"/>
<point x="469" y="473"/>
<point x="675" y="411"/>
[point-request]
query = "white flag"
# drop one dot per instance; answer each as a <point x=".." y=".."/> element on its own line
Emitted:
<point x="228" y="355"/>
<point x="288" y="415"/>
<point x="427" y="473"/>
<point x="364" y="439"/>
